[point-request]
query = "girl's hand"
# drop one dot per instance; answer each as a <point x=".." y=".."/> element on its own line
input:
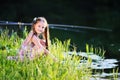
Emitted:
<point x="43" y="42"/>
<point x="55" y="59"/>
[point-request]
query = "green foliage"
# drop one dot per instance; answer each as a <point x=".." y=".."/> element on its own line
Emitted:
<point x="43" y="68"/>
<point x="99" y="51"/>
<point x="115" y="73"/>
<point x="25" y="32"/>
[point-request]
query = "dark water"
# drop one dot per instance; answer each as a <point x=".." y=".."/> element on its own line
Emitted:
<point x="98" y="39"/>
<point x="103" y="39"/>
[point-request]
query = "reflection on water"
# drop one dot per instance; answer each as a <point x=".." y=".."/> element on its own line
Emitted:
<point x="105" y="76"/>
<point x="98" y="63"/>
<point x="103" y="64"/>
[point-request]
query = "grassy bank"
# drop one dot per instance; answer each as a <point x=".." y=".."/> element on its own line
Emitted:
<point x="43" y="68"/>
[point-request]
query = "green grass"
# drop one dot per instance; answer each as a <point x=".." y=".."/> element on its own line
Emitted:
<point x="43" y="68"/>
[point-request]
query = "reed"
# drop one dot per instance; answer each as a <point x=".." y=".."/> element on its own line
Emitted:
<point x="43" y="68"/>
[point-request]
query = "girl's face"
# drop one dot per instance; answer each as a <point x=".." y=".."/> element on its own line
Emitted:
<point x="39" y="27"/>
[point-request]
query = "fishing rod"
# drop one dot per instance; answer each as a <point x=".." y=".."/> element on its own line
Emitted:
<point x="68" y="29"/>
<point x="9" y="23"/>
<point x="4" y="23"/>
<point x="82" y="27"/>
<point x="57" y="26"/>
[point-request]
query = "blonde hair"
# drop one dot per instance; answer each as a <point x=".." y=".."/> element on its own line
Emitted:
<point x="45" y="35"/>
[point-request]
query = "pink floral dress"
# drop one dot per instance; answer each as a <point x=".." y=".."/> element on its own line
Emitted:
<point x="28" y="48"/>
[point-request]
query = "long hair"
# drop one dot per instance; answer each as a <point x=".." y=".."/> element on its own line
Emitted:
<point x="45" y="35"/>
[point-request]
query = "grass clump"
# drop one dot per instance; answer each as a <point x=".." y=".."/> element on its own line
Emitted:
<point x="43" y="68"/>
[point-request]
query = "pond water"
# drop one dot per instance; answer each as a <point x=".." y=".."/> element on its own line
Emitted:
<point x="106" y="40"/>
<point x="104" y="68"/>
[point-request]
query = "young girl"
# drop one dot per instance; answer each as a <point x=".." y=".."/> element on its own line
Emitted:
<point x="37" y="41"/>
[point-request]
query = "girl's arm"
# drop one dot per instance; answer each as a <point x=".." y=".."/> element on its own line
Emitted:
<point x="36" y="41"/>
